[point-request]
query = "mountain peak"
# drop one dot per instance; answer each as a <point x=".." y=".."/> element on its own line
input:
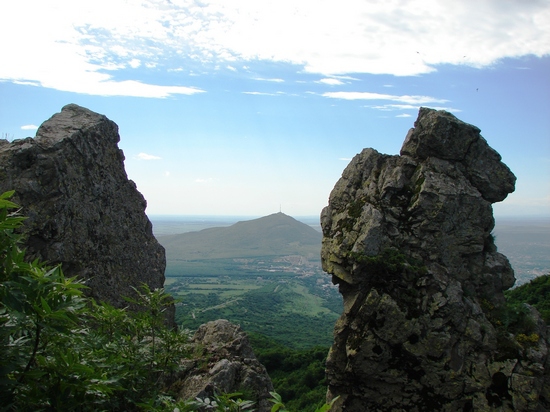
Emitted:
<point x="273" y="235"/>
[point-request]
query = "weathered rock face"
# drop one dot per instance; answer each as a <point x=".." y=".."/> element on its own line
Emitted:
<point x="227" y="365"/>
<point x="83" y="211"/>
<point x="408" y="240"/>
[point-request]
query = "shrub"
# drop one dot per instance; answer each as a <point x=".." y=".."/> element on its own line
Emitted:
<point x="63" y="351"/>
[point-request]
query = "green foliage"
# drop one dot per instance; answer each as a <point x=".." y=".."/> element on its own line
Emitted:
<point x="277" y="401"/>
<point x="531" y="339"/>
<point x="230" y="402"/>
<point x="514" y="317"/>
<point x="62" y="351"/>
<point x="516" y="327"/>
<point x="279" y="406"/>
<point x="292" y="311"/>
<point x="40" y="336"/>
<point x="297" y="375"/>
<point x="535" y="293"/>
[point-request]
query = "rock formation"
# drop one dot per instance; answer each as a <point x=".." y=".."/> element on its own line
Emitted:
<point x="408" y="240"/>
<point x="83" y="211"/>
<point x="227" y="365"/>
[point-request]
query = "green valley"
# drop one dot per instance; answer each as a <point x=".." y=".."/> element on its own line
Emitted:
<point x="295" y="310"/>
<point x="264" y="274"/>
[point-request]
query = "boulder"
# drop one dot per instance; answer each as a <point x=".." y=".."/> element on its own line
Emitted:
<point x="408" y="240"/>
<point x="226" y="364"/>
<point x="83" y="211"/>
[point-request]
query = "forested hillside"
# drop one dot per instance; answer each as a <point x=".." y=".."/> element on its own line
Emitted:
<point x="535" y="293"/>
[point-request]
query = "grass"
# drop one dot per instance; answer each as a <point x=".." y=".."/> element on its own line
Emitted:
<point x="223" y="290"/>
<point x="306" y="303"/>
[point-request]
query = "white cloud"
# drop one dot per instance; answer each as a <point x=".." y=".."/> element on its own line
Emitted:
<point x="69" y="45"/>
<point x="145" y="156"/>
<point x="403" y="115"/>
<point x="388" y="107"/>
<point x="331" y="81"/>
<point x="379" y="96"/>
<point x="29" y="127"/>
<point x="358" y="36"/>
<point x="134" y="63"/>
<point x="392" y="107"/>
<point x="269" y="80"/>
<point x="263" y="93"/>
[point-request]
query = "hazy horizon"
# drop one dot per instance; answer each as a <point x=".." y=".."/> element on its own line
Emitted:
<point x="524" y="241"/>
<point x="498" y="218"/>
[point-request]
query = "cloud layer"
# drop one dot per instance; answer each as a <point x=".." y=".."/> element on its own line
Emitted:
<point x="82" y="47"/>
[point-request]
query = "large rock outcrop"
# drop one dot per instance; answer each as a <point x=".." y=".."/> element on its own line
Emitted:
<point x="83" y="211"/>
<point x="408" y="240"/>
<point x="226" y="364"/>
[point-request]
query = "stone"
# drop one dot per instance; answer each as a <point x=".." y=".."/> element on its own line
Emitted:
<point x="408" y="241"/>
<point x="83" y="211"/>
<point x="441" y="135"/>
<point x="226" y="364"/>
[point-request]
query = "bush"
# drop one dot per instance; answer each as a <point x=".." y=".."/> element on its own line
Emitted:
<point x="535" y="293"/>
<point x="63" y="351"/>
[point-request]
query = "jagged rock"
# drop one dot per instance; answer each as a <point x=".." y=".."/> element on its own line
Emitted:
<point x="408" y="240"/>
<point x="83" y="211"/>
<point x="227" y="364"/>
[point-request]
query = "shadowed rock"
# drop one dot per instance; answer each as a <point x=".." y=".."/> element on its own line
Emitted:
<point x="83" y="211"/>
<point x="408" y="240"/>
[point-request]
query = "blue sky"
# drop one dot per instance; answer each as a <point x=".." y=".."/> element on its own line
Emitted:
<point x="241" y="107"/>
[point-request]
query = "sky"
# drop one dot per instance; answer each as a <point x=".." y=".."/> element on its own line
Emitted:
<point x="251" y="107"/>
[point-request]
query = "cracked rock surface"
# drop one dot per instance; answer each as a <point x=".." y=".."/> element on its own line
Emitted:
<point x="408" y="240"/>
<point x="227" y="365"/>
<point x="83" y="211"/>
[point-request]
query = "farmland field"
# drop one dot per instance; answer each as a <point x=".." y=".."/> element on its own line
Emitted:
<point x="295" y="309"/>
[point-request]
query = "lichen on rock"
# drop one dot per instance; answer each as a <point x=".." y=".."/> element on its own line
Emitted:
<point x="408" y="240"/>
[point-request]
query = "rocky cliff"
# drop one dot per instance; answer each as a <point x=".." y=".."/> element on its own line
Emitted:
<point x="83" y="211"/>
<point x="425" y="326"/>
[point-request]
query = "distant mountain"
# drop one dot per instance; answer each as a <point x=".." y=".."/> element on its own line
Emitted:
<point x="274" y="235"/>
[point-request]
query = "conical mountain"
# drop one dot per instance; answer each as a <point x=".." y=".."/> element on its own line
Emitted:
<point x="274" y="235"/>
